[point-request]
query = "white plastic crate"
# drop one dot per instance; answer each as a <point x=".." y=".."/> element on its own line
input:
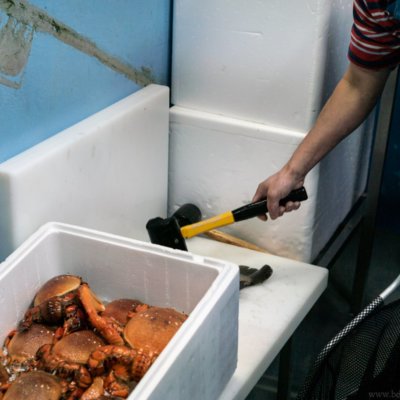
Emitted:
<point x="200" y="358"/>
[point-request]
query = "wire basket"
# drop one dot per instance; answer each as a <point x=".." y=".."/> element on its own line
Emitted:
<point x="363" y="360"/>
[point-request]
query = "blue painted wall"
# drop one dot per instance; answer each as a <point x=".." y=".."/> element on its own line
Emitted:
<point x="59" y="85"/>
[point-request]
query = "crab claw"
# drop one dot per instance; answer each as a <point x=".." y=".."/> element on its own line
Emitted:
<point x="102" y="354"/>
<point x="116" y="387"/>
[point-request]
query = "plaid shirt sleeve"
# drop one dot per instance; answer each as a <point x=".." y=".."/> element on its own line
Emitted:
<point x="375" y="35"/>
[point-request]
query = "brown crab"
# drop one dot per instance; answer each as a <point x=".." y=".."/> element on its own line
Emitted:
<point x="119" y="311"/>
<point x="146" y="334"/>
<point x="69" y="355"/>
<point x="24" y="345"/>
<point x="57" y="302"/>
<point x="36" y="385"/>
<point x="20" y="347"/>
<point x="67" y="300"/>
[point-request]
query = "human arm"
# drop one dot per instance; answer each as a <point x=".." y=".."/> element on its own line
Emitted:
<point x="352" y="100"/>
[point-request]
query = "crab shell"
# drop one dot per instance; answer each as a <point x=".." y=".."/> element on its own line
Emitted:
<point x="150" y="330"/>
<point x="57" y="286"/>
<point x="24" y="345"/>
<point x="68" y="357"/>
<point x="77" y="346"/>
<point x="36" y="385"/>
<point x="119" y="310"/>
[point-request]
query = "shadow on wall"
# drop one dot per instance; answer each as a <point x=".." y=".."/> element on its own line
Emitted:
<point x="19" y="21"/>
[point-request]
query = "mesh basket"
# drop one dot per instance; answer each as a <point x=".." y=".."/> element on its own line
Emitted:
<point x="362" y="361"/>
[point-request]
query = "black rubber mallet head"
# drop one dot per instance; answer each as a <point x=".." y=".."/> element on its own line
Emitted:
<point x="167" y="231"/>
<point x="186" y="221"/>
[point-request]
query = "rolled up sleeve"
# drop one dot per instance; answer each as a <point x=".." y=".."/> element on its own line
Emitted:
<point x="375" y="36"/>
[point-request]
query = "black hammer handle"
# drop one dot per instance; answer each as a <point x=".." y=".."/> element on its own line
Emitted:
<point x="260" y="207"/>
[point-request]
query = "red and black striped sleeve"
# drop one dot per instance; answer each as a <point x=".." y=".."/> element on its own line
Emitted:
<point x="375" y="35"/>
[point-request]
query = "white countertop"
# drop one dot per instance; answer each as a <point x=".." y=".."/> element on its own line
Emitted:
<point x="269" y="313"/>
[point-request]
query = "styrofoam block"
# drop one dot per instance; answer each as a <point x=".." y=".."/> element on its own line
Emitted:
<point x="217" y="162"/>
<point x="271" y="62"/>
<point x="108" y="172"/>
<point x="201" y="357"/>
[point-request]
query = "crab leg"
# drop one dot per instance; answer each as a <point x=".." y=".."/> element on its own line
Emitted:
<point x="138" y="361"/>
<point x="93" y="306"/>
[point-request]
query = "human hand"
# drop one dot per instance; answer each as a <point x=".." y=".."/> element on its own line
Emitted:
<point x="275" y="188"/>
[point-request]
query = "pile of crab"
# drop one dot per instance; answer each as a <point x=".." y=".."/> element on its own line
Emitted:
<point x="70" y="345"/>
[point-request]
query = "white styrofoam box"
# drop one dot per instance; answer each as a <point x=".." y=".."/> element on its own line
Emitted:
<point x="108" y="172"/>
<point x="270" y="61"/>
<point x="201" y="357"/>
<point x="217" y="162"/>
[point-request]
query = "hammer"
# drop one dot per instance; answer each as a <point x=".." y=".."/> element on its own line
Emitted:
<point x="186" y="221"/>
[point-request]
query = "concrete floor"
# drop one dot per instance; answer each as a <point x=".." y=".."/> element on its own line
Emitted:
<point x="332" y="312"/>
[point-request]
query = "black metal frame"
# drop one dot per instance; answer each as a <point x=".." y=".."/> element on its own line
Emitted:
<point x="368" y="222"/>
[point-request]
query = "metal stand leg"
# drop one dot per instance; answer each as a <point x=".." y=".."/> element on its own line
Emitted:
<point x="284" y="372"/>
<point x="373" y="190"/>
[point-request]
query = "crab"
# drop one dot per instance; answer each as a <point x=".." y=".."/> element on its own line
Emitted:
<point x="119" y="311"/>
<point x="69" y="355"/>
<point x="36" y="385"/>
<point x="146" y="334"/>
<point x="57" y="302"/>
<point x="67" y="300"/>
<point x="20" y="347"/>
